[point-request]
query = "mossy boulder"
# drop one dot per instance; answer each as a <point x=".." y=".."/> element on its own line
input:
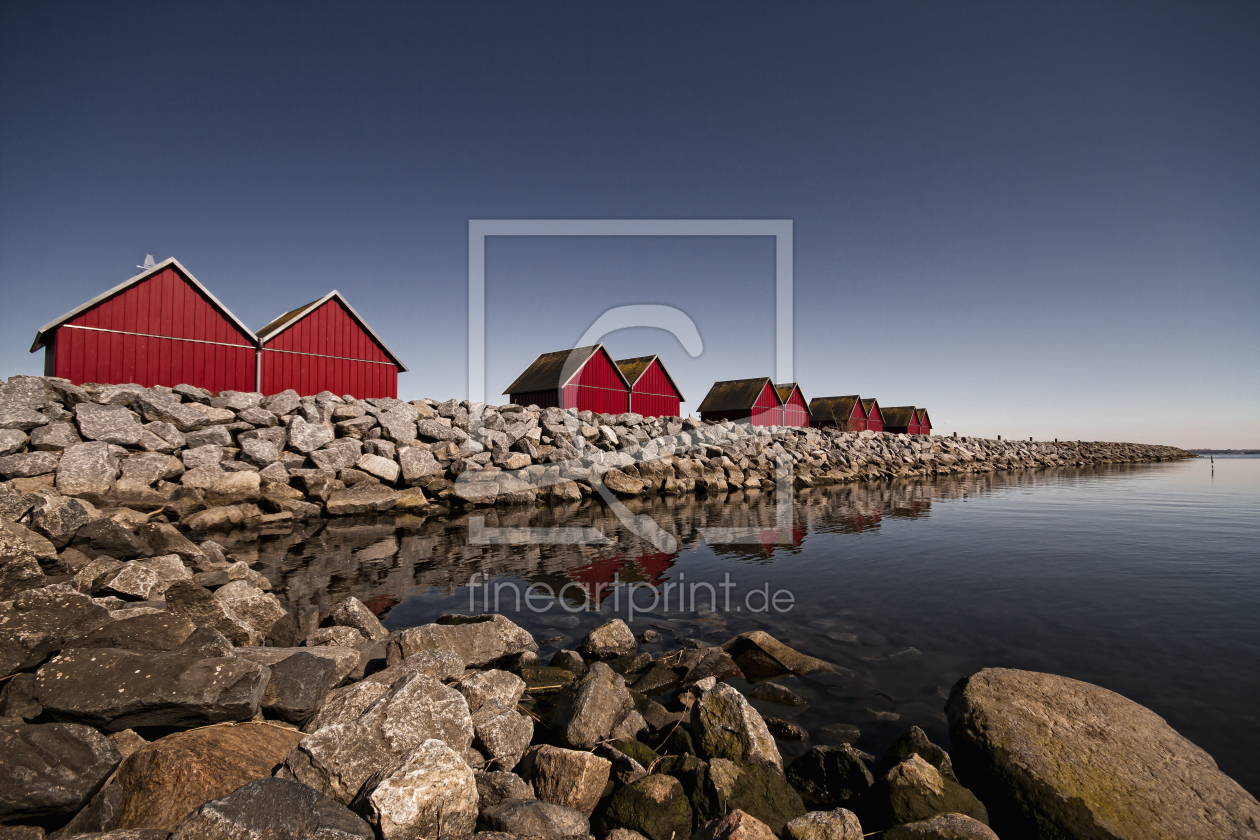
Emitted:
<point x="756" y="789"/>
<point x="655" y="806"/>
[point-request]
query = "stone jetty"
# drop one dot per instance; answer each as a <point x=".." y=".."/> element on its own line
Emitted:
<point x="183" y="455"/>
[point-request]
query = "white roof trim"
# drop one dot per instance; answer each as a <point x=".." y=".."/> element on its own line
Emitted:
<point x="578" y="369"/>
<point x="144" y="275"/>
<point x="311" y="307"/>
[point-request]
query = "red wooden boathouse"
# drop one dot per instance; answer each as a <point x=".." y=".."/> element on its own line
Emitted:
<point x="653" y="392"/>
<point x="901" y="419"/>
<point x="744" y="401"/>
<point x="326" y="346"/>
<point x="585" y="378"/>
<point x="925" y="422"/>
<point x="874" y="415"/>
<point x="842" y="413"/>
<point x="161" y="327"/>
<point x="795" y="409"/>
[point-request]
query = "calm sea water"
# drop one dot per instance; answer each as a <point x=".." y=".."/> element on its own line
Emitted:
<point x="1144" y="579"/>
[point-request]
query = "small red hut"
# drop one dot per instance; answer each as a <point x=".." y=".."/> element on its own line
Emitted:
<point x="842" y="413"/>
<point x="874" y="415"/>
<point x="653" y="392"/>
<point x="925" y="422"/>
<point x="585" y="378"/>
<point x="744" y="401"/>
<point x="901" y="419"/>
<point x="326" y="346"/>
<point x="161" y="327"/>
<point x="795" y="409"/>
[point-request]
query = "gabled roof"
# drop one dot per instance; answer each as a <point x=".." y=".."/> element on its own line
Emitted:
<point x="555" y="370"/>
<point x="169" y="262"/>
<point x="899" y="415"/>
<point x="924" y="417"/>
<point x="837" y="408"/>
<point x="633" y="370"/>
<point x="735" y="395"/>
<point x="785" y="392"/>
<point x="288" y="319"/>
<point x="868" y="404"/>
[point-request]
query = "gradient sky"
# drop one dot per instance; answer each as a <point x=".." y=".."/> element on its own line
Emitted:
<point x="1034" y="219"/>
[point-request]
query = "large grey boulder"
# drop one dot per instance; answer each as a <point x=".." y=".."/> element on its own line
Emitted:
<point x="275" y="809"/>
<point x="655" y="806"/>
<point x="839" y="824"/>
<point x="306" y="437"/>
<point x="417" y="462"/>
<point x="21" y="553"/>
<point x="40" y="623"/>
<point x="12" y="441"/>
<point x="55" y="437"/>
<point x="589" y="710"/>
<point x="382" y="468"/>
<point x="59" y="517"/>
<point x="610" y="639"/>
<point x="285" y="402"/>
<point x="259" y="609"/>
<point x="164" y="409"/>
<point x="150" y="467"/>
<point x="941" y="827"/>
<point x="727" y="726"/>
<point x="117" y="689"/>
<point x="573" y="778"/>
<point x="155" y="631"/>
<point x="497" y="686"/>
<point x="501" y="733"/>
<point x="51" y="769"/>
<point x="915" y="790"/>
<point x="530" y="817"/>
<point x="200" y="606"/>
<point x="338" y="758"/>
<point x="20" y="418"/>
<point x="353" y="613"/>
<point x="1077" y="760"/>
<point x="86" y="468"/>
<point x="298" y="685"/>
<point x="431" y="792"/>
<point x="365" y="497"/>
<point x="399" y="423"/>
<point x="441" y="665"/>
<point x="108" y="423"/>
<point x="478" y="642"/>
<point x="29" y="464"/>
<point x="14" y="504"/>
<point x="494" y="786"/>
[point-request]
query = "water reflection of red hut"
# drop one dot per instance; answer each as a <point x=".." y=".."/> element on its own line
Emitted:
<point x="654" y="565"/>
<point x="598" y="577"/>
<point x="771" y="538"/>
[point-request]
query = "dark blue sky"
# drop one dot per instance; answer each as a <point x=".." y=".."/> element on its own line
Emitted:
<point x="1035" y="219"/>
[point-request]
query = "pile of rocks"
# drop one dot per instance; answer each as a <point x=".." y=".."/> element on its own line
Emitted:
<point x="208" y="711"/>
<point x="206" y="460"/>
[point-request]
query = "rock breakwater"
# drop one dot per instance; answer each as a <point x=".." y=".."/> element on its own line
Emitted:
<point x="184" y="455"/>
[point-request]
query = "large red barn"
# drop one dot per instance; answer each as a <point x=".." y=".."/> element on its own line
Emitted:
<point x="161" y="327"/>
<point x="795" y="409"/>
<point x="653" y="392"/>
<point x="874" y="415"/>
<point x="326" y="346"/>
<point x="752" y="401"/>
<point x="584" y="378"/>
<point x="842" y="413"/>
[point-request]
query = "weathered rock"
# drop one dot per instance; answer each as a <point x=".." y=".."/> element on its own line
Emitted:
<point x="366" y="497"/>
<point x="29" y="464"/>
<point x="260" y="453"/>
<point x="430" y="793"/>
<point x="340" y="757"/>
<point x="769" y="692"/>
<point x="572" y="778"/>
<point x="529" y="817"/>
<point x="433" y="430"/>
<point x="736" y="825"/>
<point x="285" y="402"/>
<point x="111" y="537"/>
<point x="502" y="734"/>
<point x="114" y="424"/>
<point x="19" y="418"/>
<point x="494" y="786"/>
<point x="200" y="606"/>
<point x="159" y="631"/>
<point x="914" y="790"/>
<point x="612" y="638"/>
<point x="417" y="462"/>
<point x="183" y="416"/>
<point x="655" y="806"/>
<point x="12" y="441"/>
<point x="352" y="613"/>
<point x="590" y="709"/>
<point x="728" y="727"/>
<point x="166" y="539"/>
<point x="116" y="689"/>
<point x="298" y="685"/>
<point x="51" y="769"/>
<point x="478" y="643"/>
<point x="760" y="642"/>
<point x="824" y="825"/>
<point x="25" y="832"/>
<point x="1074" y="759"/>
<point x="294" y="627"/>
<point x="441" y="665"/>
<point x="942" y="827"/>
<point x="399" y="423"/>
<point x="494" y="685"/>
<point x="209" y="436"/>
<point x="383" y="468"/>
<point x="251" y="605"/>
<point x="759" y="790"/>
<point x="166" y="780"/>
<point x="17" y="698"/>
<point x="258" y="417"/>
<point x="306" y="437"/>
<point x="337" y="455"/>
<point x="55" y="437"/>
<point x="831" y="777"/>
<point x="915" y="742"/>
<point x="131" y="582"/>
<point x="40" y="624"/>
<point x="19" y="543"/>
<point x="273" y="809"/>
<point x="337" y="636"/>
<point x="623" y="485"/>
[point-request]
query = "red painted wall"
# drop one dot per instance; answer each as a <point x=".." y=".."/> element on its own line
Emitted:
<point x="925" y="427"/>
<point x="653" y="395"/>
<point x="767" y="410"/>
<point x="327" y="350"/>
<point x="183" y="339"/>
<point x="875" y="420"/>
<point x="597" y="387"/>
<point x="795" y="411"/>
<point x="857" y="418"/>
